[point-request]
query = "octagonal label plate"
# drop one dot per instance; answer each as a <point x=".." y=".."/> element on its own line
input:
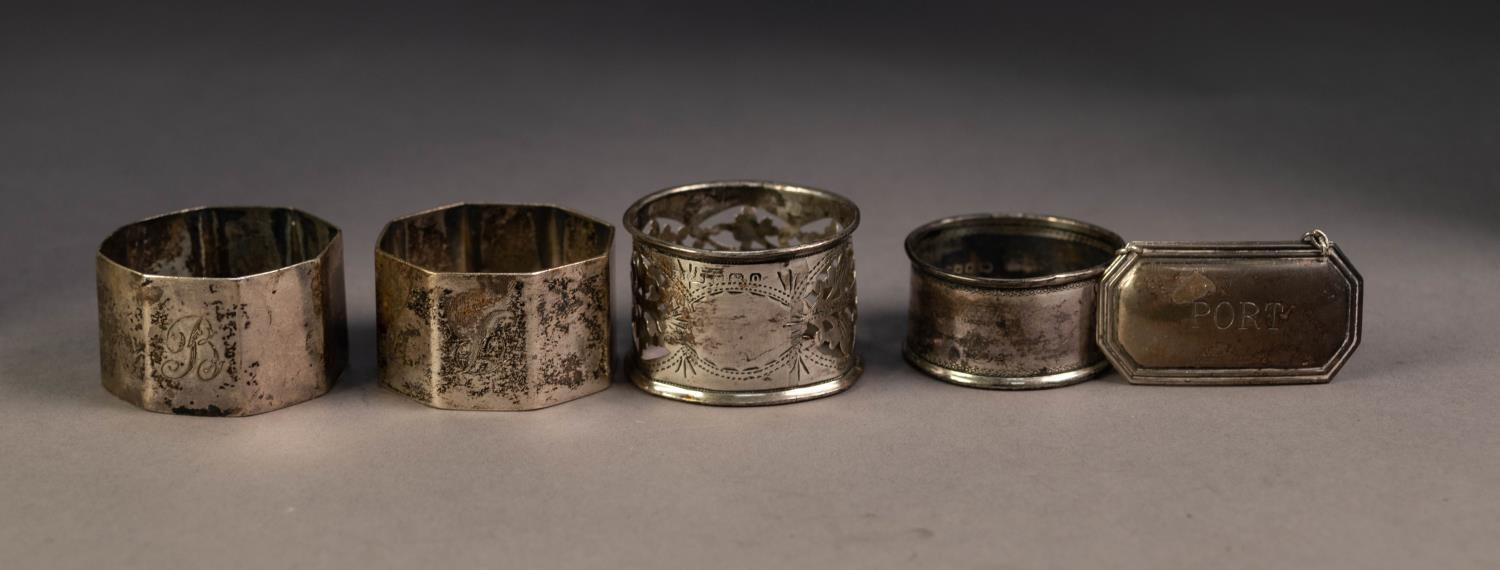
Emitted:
<point x="1229" y="313"/>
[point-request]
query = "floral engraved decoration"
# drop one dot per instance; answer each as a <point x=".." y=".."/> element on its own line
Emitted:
<point x="744" y="326"/>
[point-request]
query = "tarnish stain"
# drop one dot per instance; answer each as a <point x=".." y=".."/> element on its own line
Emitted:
<point x="1003" y="332"/>
<point x="1191" y="286"/>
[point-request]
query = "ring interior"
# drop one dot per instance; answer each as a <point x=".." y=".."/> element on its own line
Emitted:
<point x="743" y="217"/>
<point x="1013" y="248"/>
<point x="219" y="242"/>
<point x="474" y="238"/>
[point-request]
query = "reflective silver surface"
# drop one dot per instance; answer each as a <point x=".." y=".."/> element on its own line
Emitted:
<point x="1231" y="313"/>
<point x="494" y="307"/>
<point x="222" y="311"/>
<point x="1006" y="301"/>
<point x="744" y="293"/>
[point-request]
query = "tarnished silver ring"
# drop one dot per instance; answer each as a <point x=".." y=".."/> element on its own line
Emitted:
<point x="1006" y="301"/>
<point x="222" y="311"/>
<point x="494" y="307"/>
<point x="744" y="293"/>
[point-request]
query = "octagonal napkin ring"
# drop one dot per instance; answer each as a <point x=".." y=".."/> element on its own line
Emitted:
<point x="222" y="311"/>
<point x="494" y="306"/>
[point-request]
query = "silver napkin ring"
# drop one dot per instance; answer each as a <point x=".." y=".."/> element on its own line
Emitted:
<point x="744" y="293"/>
<point x="494" y="307"/>
<point x="1006" y="301"/>
<point x="222" y="311"/>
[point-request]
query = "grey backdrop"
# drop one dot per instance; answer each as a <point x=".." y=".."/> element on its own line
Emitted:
<point x="1161" y="123"/>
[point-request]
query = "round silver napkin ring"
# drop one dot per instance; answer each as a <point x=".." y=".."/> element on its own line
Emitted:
<point x="1006" y="301"/>
<point x="744" y="293"/>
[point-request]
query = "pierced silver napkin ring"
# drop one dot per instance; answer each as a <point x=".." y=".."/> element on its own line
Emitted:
<point x="744" y="293"/>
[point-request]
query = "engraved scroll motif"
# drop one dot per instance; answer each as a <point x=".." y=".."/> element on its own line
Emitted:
<point x="190" y="349"/>
<point x="482" y="343"/>
<point x="784" y="323"/>
<point x="481" y="353"/>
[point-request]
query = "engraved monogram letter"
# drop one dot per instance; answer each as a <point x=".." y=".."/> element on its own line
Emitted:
<point x="190" y="349"/>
